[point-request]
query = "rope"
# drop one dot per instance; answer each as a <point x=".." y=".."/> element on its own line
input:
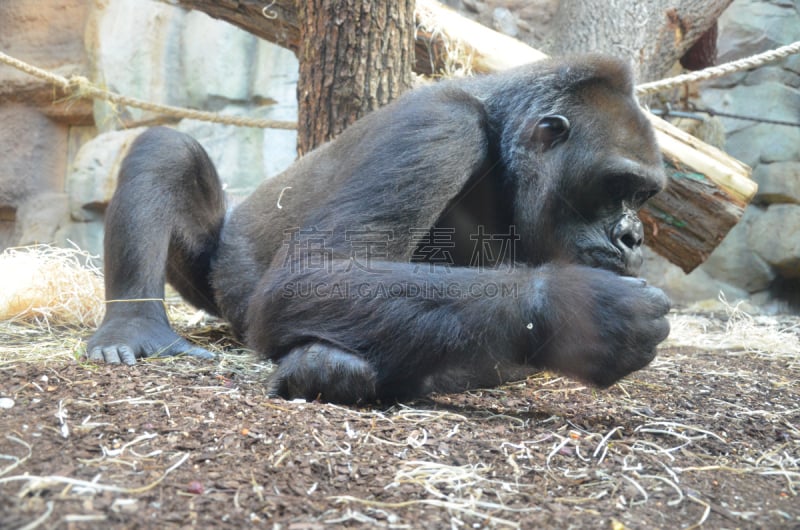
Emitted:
<point x="719" y="71"/>
<point x="80" y="87"/>
<point x="769" y="121"/>
<point x="694" y="114"/>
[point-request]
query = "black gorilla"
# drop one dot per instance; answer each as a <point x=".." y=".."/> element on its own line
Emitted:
<point x="471" y="232"/>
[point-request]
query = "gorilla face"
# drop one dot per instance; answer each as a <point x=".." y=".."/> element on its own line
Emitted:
<point x="582" y="170"/>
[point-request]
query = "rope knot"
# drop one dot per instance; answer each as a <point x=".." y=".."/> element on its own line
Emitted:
<point x="79" y="85"/>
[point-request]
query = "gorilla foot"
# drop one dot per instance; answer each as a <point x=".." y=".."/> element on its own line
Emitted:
<point x="318" y="371"/>
<point x="123" y="341"/>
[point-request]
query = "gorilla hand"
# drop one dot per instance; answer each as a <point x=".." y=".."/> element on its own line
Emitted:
<point x="595" y="325"/>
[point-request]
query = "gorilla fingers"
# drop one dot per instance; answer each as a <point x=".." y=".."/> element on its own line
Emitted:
<point x="317" y="371"/>
<point x="594" y="325"/>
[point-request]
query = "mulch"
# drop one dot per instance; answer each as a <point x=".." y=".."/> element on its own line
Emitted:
<point x="706" y="436"/>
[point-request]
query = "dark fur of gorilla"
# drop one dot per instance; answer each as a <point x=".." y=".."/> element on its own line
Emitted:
<point x="551" y="159"/>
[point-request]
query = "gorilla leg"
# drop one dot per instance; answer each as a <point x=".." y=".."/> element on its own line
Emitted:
<point x="163" y="223"/>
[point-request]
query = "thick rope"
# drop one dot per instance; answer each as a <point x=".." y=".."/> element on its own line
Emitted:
<point x="80" y="87"/>
<point x="719" y="71"/>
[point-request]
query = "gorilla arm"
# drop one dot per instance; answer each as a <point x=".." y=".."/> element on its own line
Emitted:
<point x="416" y="328"/>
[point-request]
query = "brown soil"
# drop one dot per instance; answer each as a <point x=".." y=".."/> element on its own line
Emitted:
<point x="703" y="437"/>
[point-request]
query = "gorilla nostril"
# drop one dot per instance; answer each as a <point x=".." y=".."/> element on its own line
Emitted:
<point x="628" y="234"/>
<point x="631" y="240"/>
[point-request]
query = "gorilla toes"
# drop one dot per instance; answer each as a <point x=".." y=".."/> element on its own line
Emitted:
<point x="182" y="347"/>
<point x="119" y="341"/>
<point x="114" y="354"/>
<point x="318" y="371"/>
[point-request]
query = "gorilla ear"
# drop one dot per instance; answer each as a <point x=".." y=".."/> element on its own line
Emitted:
<point x="550" y="131"/>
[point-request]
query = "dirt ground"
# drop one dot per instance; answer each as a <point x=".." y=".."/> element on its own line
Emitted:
<point x="707" y="436"/>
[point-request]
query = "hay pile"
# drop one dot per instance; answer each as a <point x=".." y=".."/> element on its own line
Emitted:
<point x="773" y="336"/>
<point x="50" y="286"/>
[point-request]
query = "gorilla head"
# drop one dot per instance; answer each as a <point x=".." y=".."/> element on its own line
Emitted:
<point x="582" y="158"/>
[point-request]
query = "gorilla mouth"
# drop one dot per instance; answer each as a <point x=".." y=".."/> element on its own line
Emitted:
<point x="628" y="267"/>
<point x="613" y="260"/>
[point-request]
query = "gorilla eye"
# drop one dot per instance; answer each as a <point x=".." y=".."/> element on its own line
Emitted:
<point x="641" y="197"/>
<point x="551" y="130"/>
<point x="628" y="188"/>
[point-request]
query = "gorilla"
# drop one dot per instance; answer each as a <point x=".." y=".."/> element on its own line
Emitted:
<point x="472" y="232"/>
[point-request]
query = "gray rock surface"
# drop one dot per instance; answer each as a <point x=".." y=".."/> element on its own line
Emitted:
<point x="735" y="262"/>
<point x="504" y="21"/>
<point x="93" y="176"/>
<point x="685" y="288"/>
<point x="124" y="62"/>
<point x="778" y="182"/>
<point x="775" y="236"/>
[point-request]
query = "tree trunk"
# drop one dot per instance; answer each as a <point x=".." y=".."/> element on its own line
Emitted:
<point x="355" y="56"/>
<point x="654" y="33"/>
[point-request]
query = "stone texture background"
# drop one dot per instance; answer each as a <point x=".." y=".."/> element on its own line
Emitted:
<point x="60" y="160"/>
<point x="60" y="157"/>
<point x="759" y="260"/>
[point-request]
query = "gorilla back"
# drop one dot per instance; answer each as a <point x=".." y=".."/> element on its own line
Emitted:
<point x="472" y="232"/>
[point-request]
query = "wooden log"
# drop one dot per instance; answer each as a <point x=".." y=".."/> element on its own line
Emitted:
<point x="439" y="31"/>
<point x="707" y="190"/>
<point x="272" y="20"/>
<point x="725" y="171"/>
<point x="444" y="36"/>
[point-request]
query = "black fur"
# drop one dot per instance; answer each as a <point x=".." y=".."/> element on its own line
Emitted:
<point x="470" y="233"/>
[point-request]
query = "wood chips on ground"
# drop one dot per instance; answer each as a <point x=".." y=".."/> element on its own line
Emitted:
<point x="707" y="436"/>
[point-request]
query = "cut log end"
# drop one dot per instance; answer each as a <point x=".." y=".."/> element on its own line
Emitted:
<point x="688" y="220"/>
<point x="707" y="192"/>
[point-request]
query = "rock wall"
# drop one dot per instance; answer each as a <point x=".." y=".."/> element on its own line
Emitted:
<point x="61" y="160"/>
<point x="36" y="137"/>
<point x="61" y="157"/>
<point x="760" y="258"/>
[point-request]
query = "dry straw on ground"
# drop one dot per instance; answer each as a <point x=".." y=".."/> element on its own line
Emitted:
<point x="741" y="332"/>
<point x="50" y="286"/>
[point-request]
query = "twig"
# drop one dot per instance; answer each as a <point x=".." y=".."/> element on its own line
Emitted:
<point x="41" y="519"/>
<point x="39" y="482"/>
<point x="17" y="461"/>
